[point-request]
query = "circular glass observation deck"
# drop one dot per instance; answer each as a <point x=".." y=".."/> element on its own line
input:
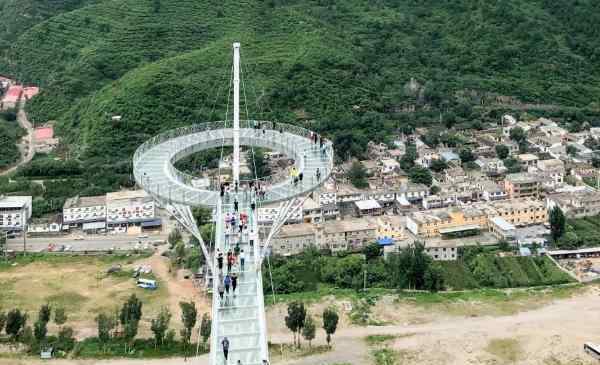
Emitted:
<point x="153" y="161"/>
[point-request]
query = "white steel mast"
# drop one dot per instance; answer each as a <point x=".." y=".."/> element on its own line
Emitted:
<point x="236" y="113"/>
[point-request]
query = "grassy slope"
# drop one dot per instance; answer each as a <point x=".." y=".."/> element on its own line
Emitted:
<point x="513" y="271"/>
<point x="17" y="16"/>
<point x="157" y="64"/>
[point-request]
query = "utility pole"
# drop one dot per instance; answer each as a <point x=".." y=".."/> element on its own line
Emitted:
<point x="236" y="114"/>
<point x="25" y="238"/>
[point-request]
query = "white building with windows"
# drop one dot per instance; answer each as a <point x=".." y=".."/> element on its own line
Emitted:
<point x="130" y="208"/>
<point x="81" y="210"/>
<point x="15" y="212"/>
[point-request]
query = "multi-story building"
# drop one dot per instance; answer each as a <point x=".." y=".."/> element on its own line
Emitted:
<point x="527" y="160"/>
<point x="293" y="239"/>
<point x="455" y="175"/>
<point x="348" y="234"/>
<point x="80" y="210"/>
<point x="521" y="212"/>
<point x="442" y="251"/>
<point x="491" y="191"/>
<point x="576" y="204"/>
<point x="491" y="166"/>
<point x="522" y="185"/>
<point x="553" y="169"/>
<point x="390" y="226"/>
<point x="131" y="208"/>
<point x="449" y="222"/>
<point x="15" y="212"/>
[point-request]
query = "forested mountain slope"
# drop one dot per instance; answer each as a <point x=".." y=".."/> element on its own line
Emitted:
<point x="346" y="64"/>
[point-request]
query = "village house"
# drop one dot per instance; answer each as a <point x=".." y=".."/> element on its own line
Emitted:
<point x="576" y="204"/>
<point x="449" y="222"/>
<point x="491" y="166"/>
<point x="522" y="185"/>
<point x="521" y="212"/>
<point x="348" y="234"/>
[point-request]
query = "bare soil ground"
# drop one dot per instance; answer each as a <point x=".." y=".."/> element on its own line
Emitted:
<point x="82" y="286"/>
<point x="538" y="328"/>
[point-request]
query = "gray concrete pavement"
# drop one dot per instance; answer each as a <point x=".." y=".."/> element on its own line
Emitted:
<point x="88" y="243"/>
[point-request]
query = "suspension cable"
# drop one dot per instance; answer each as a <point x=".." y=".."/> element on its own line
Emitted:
<point x="255" y="171"/>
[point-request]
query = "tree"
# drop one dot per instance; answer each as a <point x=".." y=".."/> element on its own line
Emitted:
<point x="309" y="330"/>
<point x="571" y="150"/>
<point x="26" y="336"/>
<point x="130" y="316"/>
<point x="258" y="163"/>
<point x="40" y="330"/>
<point x="60" y="317"/>
<point x="434" y="278"/>
<point x="407" y="268"/>
<point x="330" y="321"/>
<point x="569" y="241"/>
<point x="174" y="237"/>
<point x="434" y="189"/>
<point x="438" y="165"/>
<point x="45" y="313"/>
<point x="408" y="160"/>
<point x="557" y="223"/>
<point x="15" y="322"/>
<point x="503" y="245"/>
<point x="131" y="310"/>
<point x="160" y="325"/>
<point x="205" y="327"/>
<point x="358" y="175"/>
<point x="372" y="251"/>
<point x="188" y="318"/>
<point x="420" y="175"/>
<point x="596" y="162"/>
<point x="466" y="156"/>
<point x="295" y="319"/>
<point x="517" y="134"/>
<point x="512" y="165"/>
<point x="66" y="339"/>
<point x="502" y="151"/>
<point x="449" y="119"/>
<point x="106" y="324"/>
<point x="2" y="321"/>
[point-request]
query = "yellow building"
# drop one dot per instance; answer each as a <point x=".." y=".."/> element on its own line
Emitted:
<point x="449" y="222"/>
<point x="390" y="227"/>
<point x="521" y="212"/>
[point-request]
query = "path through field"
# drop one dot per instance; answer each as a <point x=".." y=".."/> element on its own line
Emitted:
<point x="26" y="146"/>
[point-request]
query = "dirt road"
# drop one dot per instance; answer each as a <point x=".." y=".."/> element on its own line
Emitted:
<point x="26" y="146"/>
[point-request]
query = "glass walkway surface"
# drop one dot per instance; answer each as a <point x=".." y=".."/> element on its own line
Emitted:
<point x="240" y="316"/>
<point x="154" y="170"/>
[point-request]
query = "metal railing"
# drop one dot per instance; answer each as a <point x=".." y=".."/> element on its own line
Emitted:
<point x="256" y="133"/>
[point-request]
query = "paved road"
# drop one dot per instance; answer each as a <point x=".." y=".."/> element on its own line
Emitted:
<point x="26" y="147"/>
<point x="89" y="243"/>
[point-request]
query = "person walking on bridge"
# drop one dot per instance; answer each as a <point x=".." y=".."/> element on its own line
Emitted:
<point x="225" y="344"/>
<point x="220" y="260"/>
<point x="227" y="282"/>
<point x="221" y="290"/>
<point x="234" y="279"/>
<point x="242" y="260"/>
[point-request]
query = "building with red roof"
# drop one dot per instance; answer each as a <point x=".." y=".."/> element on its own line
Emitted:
<point x="12" y="97"/>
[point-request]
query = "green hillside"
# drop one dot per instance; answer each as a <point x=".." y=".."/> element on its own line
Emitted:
<point x="345" y="64"/>
<point x="16" y="16"/>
